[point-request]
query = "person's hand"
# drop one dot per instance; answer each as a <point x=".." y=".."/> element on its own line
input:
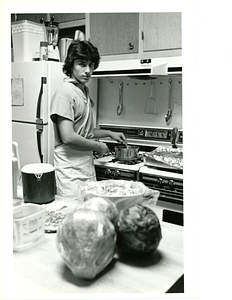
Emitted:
<point x="119" y="137"/>
<point x="102" y="149"/>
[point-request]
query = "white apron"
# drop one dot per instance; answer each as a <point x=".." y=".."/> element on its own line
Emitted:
<point x="73" y="167"/>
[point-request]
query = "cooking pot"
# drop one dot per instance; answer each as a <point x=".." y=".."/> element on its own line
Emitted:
<point x="123" y="152"/>
<point x="38" y="183"/>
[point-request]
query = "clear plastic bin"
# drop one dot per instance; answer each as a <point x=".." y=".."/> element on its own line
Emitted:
<point x="28" y="226"/>
<point x="26" y="36"/>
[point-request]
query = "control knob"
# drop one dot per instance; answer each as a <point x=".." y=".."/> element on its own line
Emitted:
<point x="160" y="182"/>
<point x="108" y="172"/>
<point x="117" y="173"/>
<point x="171" y="184"/>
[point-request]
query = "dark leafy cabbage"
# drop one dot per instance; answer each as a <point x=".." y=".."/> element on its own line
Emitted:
<point x="138" y="230"/>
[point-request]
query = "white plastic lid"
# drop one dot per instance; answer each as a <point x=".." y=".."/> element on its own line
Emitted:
<point x="37" y="168"/>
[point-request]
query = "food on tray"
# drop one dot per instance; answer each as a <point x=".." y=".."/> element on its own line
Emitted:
<point x="86" y="240"/>
<point x="138" y="230"/>
<point x="167" y="155"/>
<point x="103" y="205"/>
<point x="53" y="219"/>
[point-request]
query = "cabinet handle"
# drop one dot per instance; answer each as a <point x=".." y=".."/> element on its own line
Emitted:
<point x="142" y="35"/>
<point x="131" y="46"/>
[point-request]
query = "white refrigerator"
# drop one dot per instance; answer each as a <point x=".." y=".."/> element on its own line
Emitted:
<point x="32" y="87"/>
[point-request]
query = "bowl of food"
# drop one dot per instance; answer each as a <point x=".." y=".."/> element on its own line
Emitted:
<point x="122" y="193"/>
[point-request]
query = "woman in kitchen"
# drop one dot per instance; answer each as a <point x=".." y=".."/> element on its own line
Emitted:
<point x="72" y="116"/>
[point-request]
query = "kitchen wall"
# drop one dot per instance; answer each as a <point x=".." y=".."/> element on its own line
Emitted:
<point x="136" y="92"/>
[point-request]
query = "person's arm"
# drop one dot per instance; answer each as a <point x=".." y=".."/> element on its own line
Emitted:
<point x="117" y="136"/>
<point x="76" y="141"/>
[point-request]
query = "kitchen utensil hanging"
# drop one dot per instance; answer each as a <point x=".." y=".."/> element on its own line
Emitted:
<point x="120" y="105"/>
<point x="168" y="116"/>
<point x="151" y="105"/>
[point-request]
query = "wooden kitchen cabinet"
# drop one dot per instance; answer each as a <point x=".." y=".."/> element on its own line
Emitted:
<point x="114" y="33"/>
<point x="30" y="17"/>
<point x="60" y="18"/>
<point x="135" y="35"/>
<point x="161" y="31"/>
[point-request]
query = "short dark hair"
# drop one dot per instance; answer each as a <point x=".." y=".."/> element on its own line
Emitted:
<point x="82" y="50"/>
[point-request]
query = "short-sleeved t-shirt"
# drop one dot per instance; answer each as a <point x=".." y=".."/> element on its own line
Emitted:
<point x="72" y="101"/>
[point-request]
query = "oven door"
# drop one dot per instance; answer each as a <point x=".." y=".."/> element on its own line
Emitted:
<point x="171" y="194"/>
<point x="171" y="190"/>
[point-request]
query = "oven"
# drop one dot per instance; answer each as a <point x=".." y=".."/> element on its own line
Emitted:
<point x="168" y="180"/>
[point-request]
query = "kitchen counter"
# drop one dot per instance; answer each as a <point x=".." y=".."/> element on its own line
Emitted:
<point x="41" y="270"/>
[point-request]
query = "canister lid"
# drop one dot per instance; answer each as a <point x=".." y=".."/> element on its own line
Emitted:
<point x="37" y="168"/>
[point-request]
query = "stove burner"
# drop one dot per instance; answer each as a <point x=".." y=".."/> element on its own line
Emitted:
<point x="128" y="162"/>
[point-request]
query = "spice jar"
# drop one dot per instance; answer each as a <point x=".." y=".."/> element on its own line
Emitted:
<point x="43" y="50"/>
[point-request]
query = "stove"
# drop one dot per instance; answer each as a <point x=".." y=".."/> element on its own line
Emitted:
<point x="168" y="180"/>
<point x="108" y="167"/>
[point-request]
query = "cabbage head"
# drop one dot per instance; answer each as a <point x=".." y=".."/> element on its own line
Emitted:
<point x="86" y="240"/>
<point x="138" y="230"/>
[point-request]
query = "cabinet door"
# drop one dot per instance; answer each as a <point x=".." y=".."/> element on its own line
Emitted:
<point x="162" y="31"/>
<point x="30" y="17"/>
<point x="67" y="17"/>
<point x="115" y="33"/>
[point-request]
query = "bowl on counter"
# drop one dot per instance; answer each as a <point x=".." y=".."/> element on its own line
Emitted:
<point x="122" y="193"/>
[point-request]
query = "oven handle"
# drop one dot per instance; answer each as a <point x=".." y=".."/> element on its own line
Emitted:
<point x="171" y="199"/>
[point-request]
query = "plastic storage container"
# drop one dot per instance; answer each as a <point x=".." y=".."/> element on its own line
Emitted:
<point x="26" y="36"/>
<point x="28" y="226"/>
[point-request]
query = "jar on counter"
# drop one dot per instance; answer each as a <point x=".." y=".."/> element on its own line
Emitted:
<point x="43" y="50"/>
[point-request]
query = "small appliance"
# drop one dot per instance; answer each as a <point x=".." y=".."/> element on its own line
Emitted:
<point x="52" y="32"/>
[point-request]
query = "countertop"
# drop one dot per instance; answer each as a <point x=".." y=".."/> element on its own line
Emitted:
<point x="41" y="270"/>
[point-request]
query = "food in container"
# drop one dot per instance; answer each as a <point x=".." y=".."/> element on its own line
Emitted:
<point x="28" y="226"/>
<point x="122" y="193"/>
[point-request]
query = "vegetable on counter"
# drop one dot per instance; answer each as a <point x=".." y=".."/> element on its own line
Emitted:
<point x="103" y="205"/>
<point x="86" y="240"/>
<point x="138" y="230"/>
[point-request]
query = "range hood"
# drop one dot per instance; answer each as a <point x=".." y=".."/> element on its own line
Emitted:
<point x="139" y="67"/>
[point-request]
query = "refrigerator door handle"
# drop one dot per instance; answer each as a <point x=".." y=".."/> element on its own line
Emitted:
<point x="43" y="81"/>
<point x="39" y="121"/>
<point x="38" y="133"/>
<point x="39" y="130"/>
